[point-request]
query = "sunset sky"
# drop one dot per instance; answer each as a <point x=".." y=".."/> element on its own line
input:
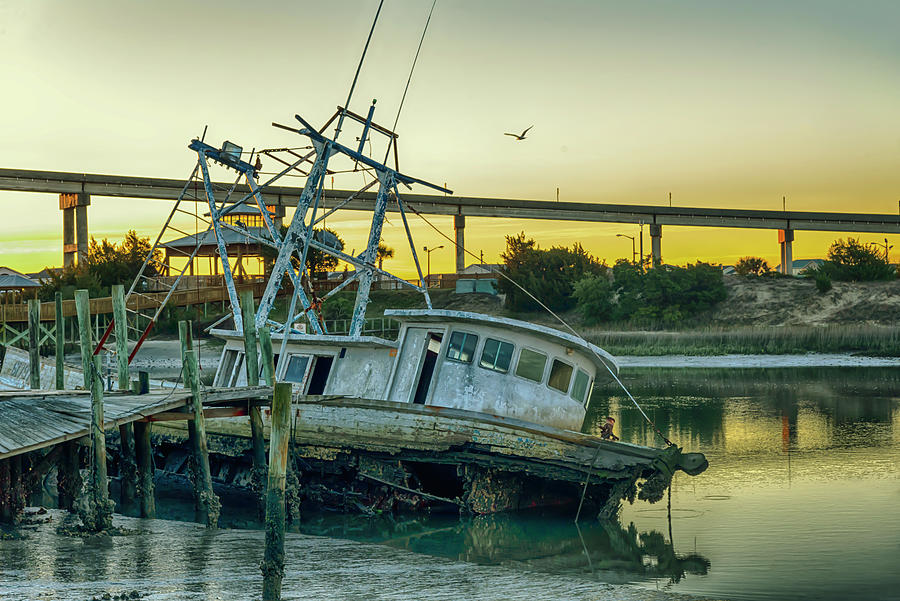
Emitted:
<point x="723" y="104"/>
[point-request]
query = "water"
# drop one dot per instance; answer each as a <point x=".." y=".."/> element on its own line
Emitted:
<point x="800" y="502"/>
<point x="801" y="497"/>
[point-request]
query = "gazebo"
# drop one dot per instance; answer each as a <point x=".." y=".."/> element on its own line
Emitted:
<point x="13" y="281"/>
<point x="243" y="226"/>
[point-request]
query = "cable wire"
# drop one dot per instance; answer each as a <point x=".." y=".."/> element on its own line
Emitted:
<point x="337" y="130"/>
<point x="409" y="79"/>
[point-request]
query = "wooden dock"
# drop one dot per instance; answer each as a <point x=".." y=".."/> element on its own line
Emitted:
<point x="33" y="420"/>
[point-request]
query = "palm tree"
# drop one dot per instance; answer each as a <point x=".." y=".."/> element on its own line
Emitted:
<point x="384" y="252"/>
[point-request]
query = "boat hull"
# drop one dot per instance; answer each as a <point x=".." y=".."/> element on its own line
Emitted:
<point x="378" y="455"/>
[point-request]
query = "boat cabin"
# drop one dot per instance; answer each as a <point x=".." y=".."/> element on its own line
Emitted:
<point x="443" y="358"/>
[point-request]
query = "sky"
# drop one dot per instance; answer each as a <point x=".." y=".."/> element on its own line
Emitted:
<point x="722" y="104"/>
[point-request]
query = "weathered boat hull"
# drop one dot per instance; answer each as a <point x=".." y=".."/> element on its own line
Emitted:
<point x="375" y="455"/>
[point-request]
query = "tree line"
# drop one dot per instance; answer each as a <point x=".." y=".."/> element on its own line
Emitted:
<point x="563" y="278"/>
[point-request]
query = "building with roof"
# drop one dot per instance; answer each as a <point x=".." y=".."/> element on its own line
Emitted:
<point x="481" y="269"/>
<point x="799" y="266"/>
<point x="243" y="227"/>
<point x="11" y="281"/>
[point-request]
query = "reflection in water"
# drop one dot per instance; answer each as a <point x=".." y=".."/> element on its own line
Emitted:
<point x="800" y="498"/>
<point x="742" y="408"/>
<point x="541" y="541"/>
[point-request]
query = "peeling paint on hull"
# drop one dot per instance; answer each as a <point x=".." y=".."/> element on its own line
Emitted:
<point x="371" y="455"/>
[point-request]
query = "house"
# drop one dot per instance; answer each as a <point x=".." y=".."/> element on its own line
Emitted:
<point x="481" y="269"/>
<point x="44" y="275"/>
<point x="799" y="266"/>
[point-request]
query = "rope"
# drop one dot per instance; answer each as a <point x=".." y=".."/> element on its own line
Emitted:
<point x="557" y="317"/>
<point x="408" y="80"/>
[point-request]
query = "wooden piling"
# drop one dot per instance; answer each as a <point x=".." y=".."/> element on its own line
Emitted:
<point x="83" y="311"/>
<point x="251" y="359"/>
<point x="252" y="364"/>
<point x="68" y="475"/>
<point x="16" y="489"/>
<point x="34" y="343"/>
<point x="5" y="492"/>
<point x="145" y="468"/>
<point x="207" y="501"/>
<point x="127" y="467"/>
<point x="121" y="328"/>
<point x="272" y="565"/>
<point x="143" y="382"/>
<point x="267" y="356"/>
<point x="60" y="343"/>
<point x="99" y="513"/>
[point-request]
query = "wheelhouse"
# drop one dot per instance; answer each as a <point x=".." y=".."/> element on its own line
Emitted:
<point x="443" y="358"/>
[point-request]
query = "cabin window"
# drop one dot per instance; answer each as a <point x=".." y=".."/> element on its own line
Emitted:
<point x="462" y="347"/>
<point x="239" y="377"/>
<point x="560" y="376"/>
<point x="496" y="355"/>
<point x="580" y="388"/>
<point x="531" y="365"/>
<point x="296" y="368"/>
<point x="227" y="368"/>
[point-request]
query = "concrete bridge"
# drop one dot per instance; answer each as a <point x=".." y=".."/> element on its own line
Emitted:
<point x="75" y="191"/>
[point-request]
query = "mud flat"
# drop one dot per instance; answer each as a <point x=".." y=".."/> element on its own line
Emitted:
<point x="167" y="560"/>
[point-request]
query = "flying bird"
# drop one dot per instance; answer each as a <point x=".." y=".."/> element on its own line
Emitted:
<point x="520" y="136"/>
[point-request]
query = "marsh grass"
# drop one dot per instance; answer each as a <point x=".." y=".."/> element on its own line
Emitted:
<point x="876" y="341"/>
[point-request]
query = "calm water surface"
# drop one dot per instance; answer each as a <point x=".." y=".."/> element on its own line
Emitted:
<point x="802" y="497"/>
<point x="800" y="502"/>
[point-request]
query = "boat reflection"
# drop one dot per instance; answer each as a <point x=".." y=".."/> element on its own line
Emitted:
<point x="801" y="408"/>
<point x="543" y="542"/>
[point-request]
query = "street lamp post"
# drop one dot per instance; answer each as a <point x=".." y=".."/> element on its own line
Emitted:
<point x="642" y="245"/>
<point x="428" y="251"/>
<point x="633" y="251"/>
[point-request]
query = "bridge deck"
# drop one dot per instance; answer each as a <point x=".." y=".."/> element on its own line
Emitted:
<point x="34" y="420"/>
<point x="286" y="196"/>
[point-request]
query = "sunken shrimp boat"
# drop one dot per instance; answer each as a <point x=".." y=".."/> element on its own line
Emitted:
<point x="457" y="410"/>
<point x="462" y="409"/>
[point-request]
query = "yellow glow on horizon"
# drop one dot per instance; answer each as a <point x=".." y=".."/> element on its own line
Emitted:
<point x="722" y="104"/>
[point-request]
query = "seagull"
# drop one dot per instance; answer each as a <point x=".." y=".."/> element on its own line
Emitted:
<point x="520" y="136"/>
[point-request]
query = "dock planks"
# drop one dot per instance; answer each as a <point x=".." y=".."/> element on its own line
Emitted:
<point x="34" y="420"/>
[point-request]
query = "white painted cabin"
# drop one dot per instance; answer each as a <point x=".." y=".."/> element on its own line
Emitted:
<point x="443" y="358"/>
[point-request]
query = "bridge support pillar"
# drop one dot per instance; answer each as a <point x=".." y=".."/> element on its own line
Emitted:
<point x="459" y="226"/>
<point x="75" y="226"/>
<point x="656" y="244"/>
<point x="786" y="239"/>
<point x="69" y="247"/>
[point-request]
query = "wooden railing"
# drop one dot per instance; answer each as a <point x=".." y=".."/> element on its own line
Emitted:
<point x="198" y="295"/>
<point x="137" y="302"/>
